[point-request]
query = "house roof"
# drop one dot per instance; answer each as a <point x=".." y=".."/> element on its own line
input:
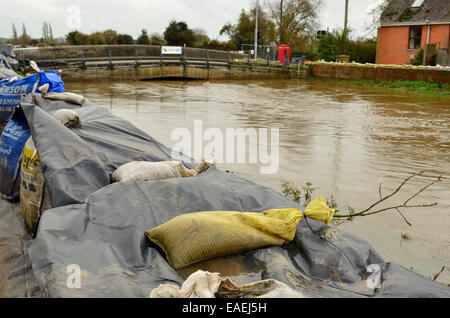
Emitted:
<point x="401" y="12"/>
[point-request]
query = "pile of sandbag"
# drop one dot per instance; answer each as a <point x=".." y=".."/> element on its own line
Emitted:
<point x="14" y="130"/>
<point x="12" y="88"/>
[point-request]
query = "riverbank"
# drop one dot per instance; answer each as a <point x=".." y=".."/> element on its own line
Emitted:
<point x="380" y="73"/>
<point x="420" y="87"/>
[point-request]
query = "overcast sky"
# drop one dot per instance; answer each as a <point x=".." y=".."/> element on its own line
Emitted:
<point x="130" y="16"/>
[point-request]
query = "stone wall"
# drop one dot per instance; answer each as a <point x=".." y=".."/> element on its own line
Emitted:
<point x="173" y="71"/>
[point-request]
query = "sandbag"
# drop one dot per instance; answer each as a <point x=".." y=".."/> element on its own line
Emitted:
<point x="67" y="117"/>
<point x="34" y="197"/>
<point x="11" y="91"/>
<point x="195" y="237"/>
<point x="12" y="141"/>
<point x="65" y="96"/>
<point x="211" y="285"/>
<point x="198" y="285"/>
<point x="151" y="171"/>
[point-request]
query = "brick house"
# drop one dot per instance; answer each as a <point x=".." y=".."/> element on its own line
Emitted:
<point x="406" y="26"/>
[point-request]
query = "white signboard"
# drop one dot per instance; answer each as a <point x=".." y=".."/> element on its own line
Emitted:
<point x="171" y="50"/>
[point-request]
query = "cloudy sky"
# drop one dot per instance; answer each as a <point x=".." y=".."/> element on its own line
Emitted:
<point x="130" y="16"/>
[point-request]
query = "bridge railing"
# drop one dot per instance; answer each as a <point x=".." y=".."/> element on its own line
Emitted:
<point x="82" y="54"/>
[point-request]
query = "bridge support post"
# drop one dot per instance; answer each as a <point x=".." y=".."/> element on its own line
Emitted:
<point x="136" y="57"/>
<point x="184" y="61"/>
<point x="207" y="58"/>
<point x="110" y="59"/>
<point x="229" y="60"/>
<point x="54" y="58"/>
<point x="83" y="62"/>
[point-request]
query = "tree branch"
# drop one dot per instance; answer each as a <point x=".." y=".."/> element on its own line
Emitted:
<point x="405" y="205"/>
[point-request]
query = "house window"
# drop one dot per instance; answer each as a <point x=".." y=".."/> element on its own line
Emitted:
<point x="415" y="37"/>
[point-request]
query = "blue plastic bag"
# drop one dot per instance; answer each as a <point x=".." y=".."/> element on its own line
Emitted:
<point x="12" y="141"/>
<point x="10" y="92"/>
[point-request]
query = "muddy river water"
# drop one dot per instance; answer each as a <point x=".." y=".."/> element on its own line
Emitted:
<point x="345" y="140"/>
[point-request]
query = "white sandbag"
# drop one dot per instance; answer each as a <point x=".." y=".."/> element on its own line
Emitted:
<point x="199" y="285"/>
<point x="64" y="96"/>
<point x="34" y="197"/>
<point x="210" y="285"/>
<point x="151" y="171"/>
<point x="67" y="117"/>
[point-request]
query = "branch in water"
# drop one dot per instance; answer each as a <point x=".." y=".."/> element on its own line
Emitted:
<point x="405" y="205"/>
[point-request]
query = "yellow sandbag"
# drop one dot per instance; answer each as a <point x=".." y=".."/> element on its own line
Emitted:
<point x="195" y="237"/>
<point x="319" y="211"/>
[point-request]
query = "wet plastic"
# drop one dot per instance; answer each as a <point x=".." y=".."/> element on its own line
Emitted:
<point x="101" y="226"/>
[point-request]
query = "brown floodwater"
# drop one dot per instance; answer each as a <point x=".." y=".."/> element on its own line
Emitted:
<point x="345" y="140"/>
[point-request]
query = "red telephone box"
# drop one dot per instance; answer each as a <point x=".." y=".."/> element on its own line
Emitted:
<point x="284" y="54"/>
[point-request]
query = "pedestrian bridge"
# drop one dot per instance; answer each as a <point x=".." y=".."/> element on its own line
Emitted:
<point x="147" y="62"/>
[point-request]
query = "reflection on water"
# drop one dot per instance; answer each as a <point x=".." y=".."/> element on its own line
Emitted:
<point x="344" y="140"/>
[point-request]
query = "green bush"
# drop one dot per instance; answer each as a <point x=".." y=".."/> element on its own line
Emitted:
<point x="418" y="58"/>
<point x="337" y="43"/>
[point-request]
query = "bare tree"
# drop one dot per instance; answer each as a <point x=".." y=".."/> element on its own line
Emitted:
<point x="374" y="11"/>
<point x="45" y="32"/>
<point x="24" y="39"/>
<point x="50" y="30"/>
<point x="15" y="37"/>
<point x="293" y="18"/>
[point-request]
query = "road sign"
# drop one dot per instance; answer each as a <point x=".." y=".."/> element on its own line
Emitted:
<point x="171" y="50"/>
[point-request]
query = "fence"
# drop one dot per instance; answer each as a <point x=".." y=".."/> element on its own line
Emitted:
<point x="264" y="51"/>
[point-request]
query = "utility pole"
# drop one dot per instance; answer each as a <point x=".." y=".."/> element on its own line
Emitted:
<point x="346" y="16"/>
<point x="281" y="22"/>
<point x="256" y="29"/>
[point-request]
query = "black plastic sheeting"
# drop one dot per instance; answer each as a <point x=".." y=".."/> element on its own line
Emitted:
<point x="8" y="66"/>
<point x="100" y="226"/>
<point x="16" y="274"/>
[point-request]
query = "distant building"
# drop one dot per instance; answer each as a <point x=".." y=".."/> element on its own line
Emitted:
<point x="406" y="26"/>
<point x="321" y="33"/>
